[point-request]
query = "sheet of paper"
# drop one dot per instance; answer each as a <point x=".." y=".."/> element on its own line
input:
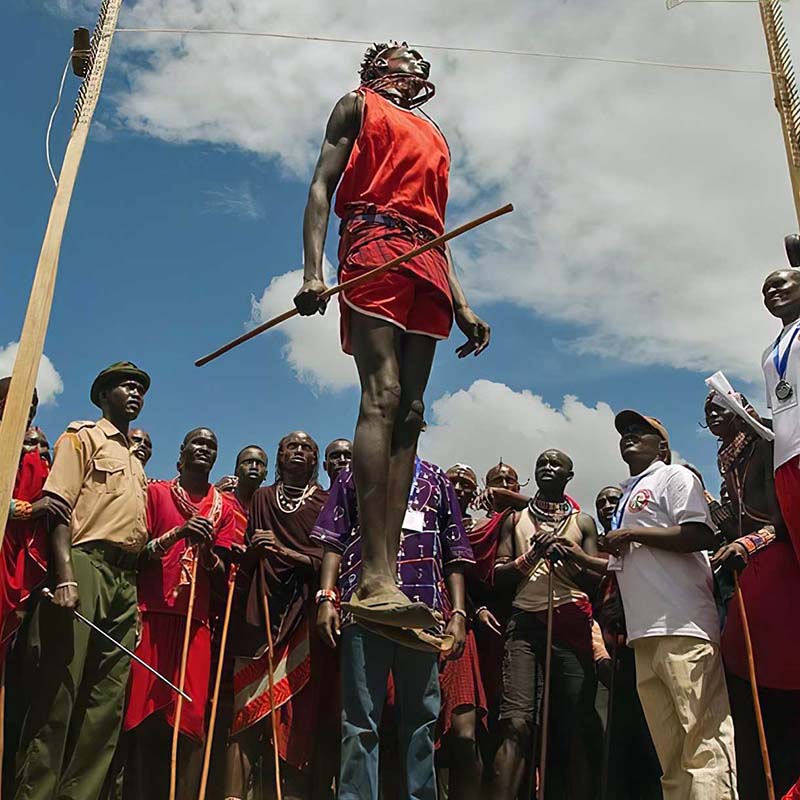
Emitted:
<point x="727" y="396"/>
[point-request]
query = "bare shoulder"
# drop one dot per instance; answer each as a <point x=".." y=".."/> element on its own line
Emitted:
<point x="346" y="114"/>
<point x="587" y="524"/>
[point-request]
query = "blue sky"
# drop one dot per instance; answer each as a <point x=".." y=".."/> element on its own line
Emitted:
<point x="170" y="234"/>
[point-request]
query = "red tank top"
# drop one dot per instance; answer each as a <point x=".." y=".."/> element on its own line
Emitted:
<point x="399" y="166"/>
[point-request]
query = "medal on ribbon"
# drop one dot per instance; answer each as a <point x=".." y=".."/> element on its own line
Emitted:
<point x="783" y="389"/>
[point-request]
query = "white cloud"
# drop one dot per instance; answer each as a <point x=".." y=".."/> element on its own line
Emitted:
<point x="237" y="200"/>
<point x="650" y="202"/>
<point x="312" y="347"/>
<point x="489" y="421"/>
<point x="48" y="382"/>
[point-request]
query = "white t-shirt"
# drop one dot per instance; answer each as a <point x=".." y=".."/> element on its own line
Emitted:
<point x="785" y="414"/>
<point x="664" y="593"/>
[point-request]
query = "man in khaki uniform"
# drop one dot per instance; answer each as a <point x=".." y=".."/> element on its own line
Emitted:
<point x="78" y="679"/>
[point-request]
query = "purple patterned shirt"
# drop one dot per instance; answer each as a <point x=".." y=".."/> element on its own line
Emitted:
<point x="423" y="554"/>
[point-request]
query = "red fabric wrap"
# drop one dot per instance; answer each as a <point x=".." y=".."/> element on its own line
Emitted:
<point x="787" y="488"/>
<point x="23" y="558"/>
<point x="164" y="602"/>
<point x="161" y="647"/>
<point x="770" y="587"/>
<point x="484" y="538"/>
<point x="462" y="687"/>
<point x="162" y="583"/>
<point x="793" y="793"/>
<point x="572" y="626"/>
<point x="414" y="296"/>
<point x="305" y="669"/>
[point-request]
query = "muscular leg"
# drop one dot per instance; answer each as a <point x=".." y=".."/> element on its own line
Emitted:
<point x="376" y="349"/>
<point x="416" y="359"/>
<point x="464" y="756"/>
<point x="512" y="757"/>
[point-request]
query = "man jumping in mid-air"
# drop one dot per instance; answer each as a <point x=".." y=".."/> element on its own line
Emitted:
<point x="391" y="167"/>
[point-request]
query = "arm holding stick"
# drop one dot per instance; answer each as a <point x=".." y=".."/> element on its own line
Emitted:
<point x="341" y="133"/>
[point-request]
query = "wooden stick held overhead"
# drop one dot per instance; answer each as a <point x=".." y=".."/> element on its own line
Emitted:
<point x="751" y="667"/>
<point x="271" y="678"/>
<point x="361" y="279"/>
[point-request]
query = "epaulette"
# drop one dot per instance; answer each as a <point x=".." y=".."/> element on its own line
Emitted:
<point x="74" y="427"/>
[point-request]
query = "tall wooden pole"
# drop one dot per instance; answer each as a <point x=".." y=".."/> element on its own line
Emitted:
<point x="787" y="100"/>
<point x="37" y="317"/>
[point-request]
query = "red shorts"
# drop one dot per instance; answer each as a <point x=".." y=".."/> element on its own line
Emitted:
<point x="415" y="296"/>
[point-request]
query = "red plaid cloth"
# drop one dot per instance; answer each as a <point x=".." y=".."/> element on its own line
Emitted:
<point x="415" y="296"/>
<point x="461" y="686"/>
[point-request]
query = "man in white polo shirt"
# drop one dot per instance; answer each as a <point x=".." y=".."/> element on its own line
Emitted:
<point x="662" y="529"/>
<point x="781" y="365"/>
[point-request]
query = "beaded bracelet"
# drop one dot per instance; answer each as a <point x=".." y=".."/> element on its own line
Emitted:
<point x="526" y="561"/>
<point x="21" y="509"/>
<point x="758" y="540"/>
<point x="326" y="596"/>
<point x="460" y="612"/>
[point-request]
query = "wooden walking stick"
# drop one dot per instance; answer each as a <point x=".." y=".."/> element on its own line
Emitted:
<point x="546" y="706"/>
<point x="217" y="681"/>
<point x="358" y="281"/>
<point x="187" y="635"/>
<point x="37" y="317"/>
<point x="271" y="679"/>
<point x="751" y="666"/>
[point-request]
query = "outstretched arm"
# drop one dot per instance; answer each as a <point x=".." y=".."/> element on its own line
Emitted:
<point x="340" y="135"/>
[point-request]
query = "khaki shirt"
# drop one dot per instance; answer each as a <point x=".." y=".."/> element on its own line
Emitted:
<point x="94" y="471"/>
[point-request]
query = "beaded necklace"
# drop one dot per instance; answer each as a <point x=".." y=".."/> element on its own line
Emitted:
<point x="547" y="511"/>
<point x="289" y="504"/>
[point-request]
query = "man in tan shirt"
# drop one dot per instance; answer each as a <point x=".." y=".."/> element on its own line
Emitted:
<point x="550" y="534"/>
<point x="78" y="679"/>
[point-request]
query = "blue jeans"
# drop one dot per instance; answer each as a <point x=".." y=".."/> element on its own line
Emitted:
<point x="367" y="660"/>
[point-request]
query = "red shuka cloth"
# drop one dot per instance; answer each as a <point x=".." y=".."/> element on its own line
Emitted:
<point x="771" y="589"/>
<point x="793" y="793"/>
<point x="163" y="602"/>
<point x="305" y="669"/>
<point x="461" y="686"/>
<point x="484" y="538"/>
<point x="23" y="558"/>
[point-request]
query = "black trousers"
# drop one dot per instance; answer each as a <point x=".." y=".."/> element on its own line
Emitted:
<point x="575" y="732"/>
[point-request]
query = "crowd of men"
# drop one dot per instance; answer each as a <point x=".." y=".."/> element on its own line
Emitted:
<point x="235" y="592"/>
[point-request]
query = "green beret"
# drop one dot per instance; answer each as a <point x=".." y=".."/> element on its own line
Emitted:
<point x="116" y="374"/>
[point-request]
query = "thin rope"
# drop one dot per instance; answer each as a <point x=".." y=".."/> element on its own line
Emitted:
<point x="52" y="117"/>
<point x="526" y="53"/>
